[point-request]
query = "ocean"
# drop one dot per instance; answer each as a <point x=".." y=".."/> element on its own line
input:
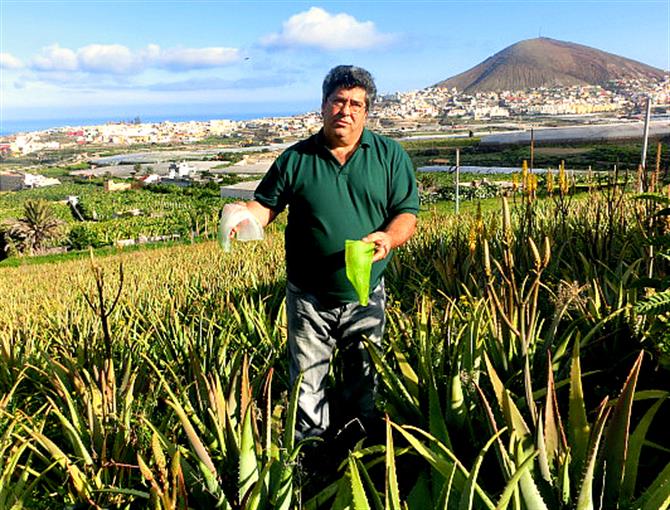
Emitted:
<point x="10" y="126"/>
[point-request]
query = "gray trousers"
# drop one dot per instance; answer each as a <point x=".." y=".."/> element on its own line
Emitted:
<point x="314" y="332"/>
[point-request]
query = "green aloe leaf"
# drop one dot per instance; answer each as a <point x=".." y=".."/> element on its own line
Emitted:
<point x="441" y="459"/>
<point x="616" y="439"/>
<point x="392" y="491"/>
<point x="657" y="495"/>
<point x="468" y="494"/>
<point x="529" y="491"/>
<point x="358" y="261"/>
<point x="513" y="482"/>
<point x="635" y="448"/>
<point x="248" y="462"/>
<point x="578" y="426"/>
<point x="585" y="498"/>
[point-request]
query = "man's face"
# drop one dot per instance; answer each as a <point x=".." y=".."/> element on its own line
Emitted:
<point x="344" y="115"/>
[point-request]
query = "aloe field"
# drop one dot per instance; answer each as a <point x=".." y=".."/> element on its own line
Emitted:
<point x="526" y="365"/>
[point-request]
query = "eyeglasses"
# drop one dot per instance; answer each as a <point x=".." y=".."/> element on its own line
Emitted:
<point x="339" y="103"/>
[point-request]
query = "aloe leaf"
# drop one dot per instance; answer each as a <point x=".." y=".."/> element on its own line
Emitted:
<point x="513" y="482"/>
<point x="468" y="494"/>
<point x="372" y="490"/>
<point x="255" y="497"/>
<point x="578" y="426"/>
<point x="457" y="408"/>
<point x="411" y="379"/>
<point x="77" y="442"/>
<point x="248" y="462"/>
<point x="291" y="414"/>
<point x="585" y="498"/>
<point x="513" y="417"/>
<point x="634" y="449"/>
<point x="529" y="491"/>
<point x="657" y="495"/>
<point x="436" y="424"/>
<point x="445" y="495"/>
<point x="392" y="492"/>
<point x="616" y="438"/>
<point x="436" y="458"/>
<point x="79" y="480"/>
<point x="397" y="390"/>
<point x="198" y="448"/>
<point x="503" y="457"/>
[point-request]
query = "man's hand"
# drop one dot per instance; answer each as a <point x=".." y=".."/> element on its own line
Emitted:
<point x="399" y="230"/>
<point x="263" y="214"/>
<point x="383" y="244"/>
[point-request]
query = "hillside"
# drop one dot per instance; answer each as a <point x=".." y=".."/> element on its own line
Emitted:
<point x="545" y="62"/>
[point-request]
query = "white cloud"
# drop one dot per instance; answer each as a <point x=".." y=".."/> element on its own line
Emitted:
<point x="196" y="58"/>
<point x="55" y="58"/>
<point x="9" y="61"/>
<point x="116" y="59"/>
<point x="108" y="58"/>
<point x="321" y="29"/>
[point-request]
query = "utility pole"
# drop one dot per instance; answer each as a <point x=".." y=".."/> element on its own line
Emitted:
<point x="458" y="176"/>
<point x="645" y="141"/>
<point x="532" y="149"/>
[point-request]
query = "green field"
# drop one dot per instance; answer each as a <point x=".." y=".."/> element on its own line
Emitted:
<point x="526" y="364"/>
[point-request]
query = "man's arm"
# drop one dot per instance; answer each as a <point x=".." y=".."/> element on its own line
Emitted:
<point x="396" y="233"/>
<point x="263" y="214"/>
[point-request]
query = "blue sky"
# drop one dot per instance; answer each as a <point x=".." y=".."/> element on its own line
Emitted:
<point x="94" y="58"/>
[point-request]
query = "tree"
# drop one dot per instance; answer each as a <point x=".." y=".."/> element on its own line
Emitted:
<point x="33" y="233"/>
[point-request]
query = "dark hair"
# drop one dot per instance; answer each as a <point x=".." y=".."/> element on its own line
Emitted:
<point x="349" y="77"/>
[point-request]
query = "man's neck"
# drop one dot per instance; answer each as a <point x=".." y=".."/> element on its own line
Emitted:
<point x="342" y="150"/>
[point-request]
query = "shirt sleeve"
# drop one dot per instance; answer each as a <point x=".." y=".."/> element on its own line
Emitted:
<point x="404" y="194"/>
<point x="272" y="191"/>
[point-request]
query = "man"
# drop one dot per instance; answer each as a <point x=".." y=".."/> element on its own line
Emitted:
<point x="343" y="183"/>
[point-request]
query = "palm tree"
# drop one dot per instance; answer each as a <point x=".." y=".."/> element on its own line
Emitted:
<point x="35" y="231"/>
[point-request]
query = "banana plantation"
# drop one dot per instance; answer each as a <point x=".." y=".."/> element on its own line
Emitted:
<point x="525" y="365"/>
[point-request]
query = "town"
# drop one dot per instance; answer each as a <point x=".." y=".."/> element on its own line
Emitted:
<point x="431" y="109"/>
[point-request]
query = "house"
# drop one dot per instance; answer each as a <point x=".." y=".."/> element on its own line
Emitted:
<point x="11" y="181"/>
<point x="110" y="185"/>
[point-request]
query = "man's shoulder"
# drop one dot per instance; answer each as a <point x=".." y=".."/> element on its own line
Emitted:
<point x="375" y="139"/>
<point x="306" y="146"/>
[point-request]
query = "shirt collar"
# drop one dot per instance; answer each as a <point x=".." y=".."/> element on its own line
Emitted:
<point x="366" y="139"/>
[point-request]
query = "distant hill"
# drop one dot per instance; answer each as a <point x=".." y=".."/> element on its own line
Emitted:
<point x="545" y="62"/>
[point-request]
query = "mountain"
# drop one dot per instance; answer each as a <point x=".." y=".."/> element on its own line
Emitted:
<point x="545" y="62"/>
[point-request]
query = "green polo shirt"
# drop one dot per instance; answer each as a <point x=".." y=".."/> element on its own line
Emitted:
<point x="329" y="203"/>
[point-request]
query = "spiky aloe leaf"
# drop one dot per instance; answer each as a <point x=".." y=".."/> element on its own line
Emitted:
<point x="284" y="490"/>
<point x="529" y="491"/>
<point x="468" y="494"/>
<point x="196" y="443"/>
<point x="392" y="493"/>
<point x="578" y="427"/>
<point x="585" y="498"/>
<point x="657" y="495"/>
<point x="436" y="423"/>
<point x="365" y="476"/>
<point x="255" y="497"/>
<point x="398" y="393"/>
<point x="442" y="459"/>
<point x="248" y="462"/>
<point x="634" y="449"/>
<point x="81" y="483"/>
<point x="554" y="436"/>
<point x="616" y="438"/>
<point x="513" y="482"/>
<point x="457" y="407"/>
<point x="513" y="417"/>
<point x="411" y="379"/>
